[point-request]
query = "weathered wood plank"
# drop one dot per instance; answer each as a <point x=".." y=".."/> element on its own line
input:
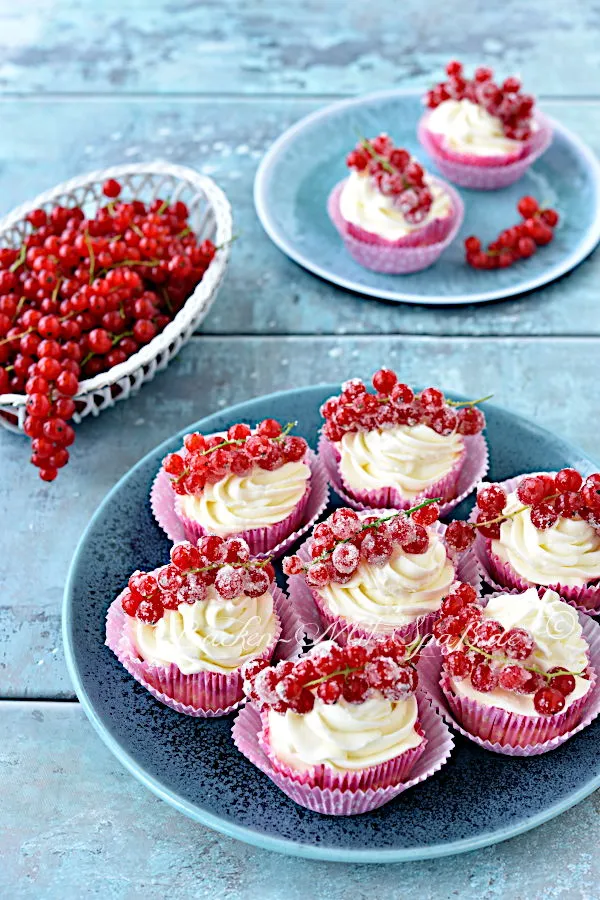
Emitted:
<point x="537" y="379"/>
<point x="232" y="46"/>
<point x="264" y="291"/>
<point x="95" y="825"/>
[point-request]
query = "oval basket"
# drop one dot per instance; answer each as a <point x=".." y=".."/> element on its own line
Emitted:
<point x="210" y="217"/>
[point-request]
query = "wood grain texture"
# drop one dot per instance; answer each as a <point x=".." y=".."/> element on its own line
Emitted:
<point x="343" y="46"/>
<point x="211" y="373"/>
<point x="264" y="292"/>
<point x="122" y="843"/>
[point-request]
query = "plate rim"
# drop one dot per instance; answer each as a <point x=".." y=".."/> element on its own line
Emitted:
<point x="586" y="246"/>
<point x="244" y="833"/>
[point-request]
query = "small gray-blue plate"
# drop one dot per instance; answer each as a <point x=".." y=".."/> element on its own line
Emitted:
<point x="477" y="798"/>
<point x="297" y="173"/>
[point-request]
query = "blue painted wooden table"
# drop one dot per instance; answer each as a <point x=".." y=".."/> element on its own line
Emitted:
<point x="86" y="84"/>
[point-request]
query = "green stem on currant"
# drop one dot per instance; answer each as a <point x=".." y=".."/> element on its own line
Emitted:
<point x="20" y="258"/>
<point x="385" y="163"/>
<point x="232" y="240"/>
<point x="503" y="516"/>
<point x="505" y="660"/>
<point x="375" y="524"/>
<point x="458" y="403"/>
<point x="250" y="564"/>
<point x="88" y="242"/>
<point x="227" y="443"/>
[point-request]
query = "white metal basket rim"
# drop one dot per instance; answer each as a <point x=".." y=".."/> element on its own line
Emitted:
<point x="198" y="302"/>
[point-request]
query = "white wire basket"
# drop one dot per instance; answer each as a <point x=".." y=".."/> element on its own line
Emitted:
<point x="210" y="217"/>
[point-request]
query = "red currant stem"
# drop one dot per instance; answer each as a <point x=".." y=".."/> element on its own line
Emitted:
<point x="119" y="337"/>
<point x="503" y="516"/>
<point x="137" y="230"/>
<point x="110" y="206"/>
<point x="22" y="302"/>
<point x="232" y="239"/>
<point x="166" y="298"/>
<point x="88" y="242"/>
<point x="55" y="292"/>
<point x="137" y="262"/>
<point x="385" y="163"/>
<point x="226" y="443"/>
<point x="20" y="258"/>
<point x="184" y="233"/>
<point x="347" y="670"/>
<point x="375" y="524"/>
<point x="250" y="564"/>
<point x="163" y="206"/>
<point x="16" y="337"/>
<point x="505" y="660"/>
<point x="458" y="403"/>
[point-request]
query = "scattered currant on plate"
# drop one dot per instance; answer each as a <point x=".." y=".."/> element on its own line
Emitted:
<point x="565" y="494"/>
<point x="344" y="540"/>
<point x="206" y="460"/>
<point x="493" y="657"/>
<point x="224" y="564"/>
<point x="354" y="673"/>
<point x="394" y="403"/>
<point x="520" y="241"/>
<point x="505" y="101"/>
<point x="81" y="295"/>
<point x="393" y="173"/>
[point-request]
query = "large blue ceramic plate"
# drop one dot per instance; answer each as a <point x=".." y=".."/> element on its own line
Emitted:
<point x="296" y="175"/>
<point x="478" y="798"/>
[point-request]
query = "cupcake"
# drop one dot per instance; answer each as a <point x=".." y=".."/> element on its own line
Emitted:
<point x="382" y="572"/>
<point x="264" y="486"/>
<point x="481" y="134"/>
<point x="516" y="673"/>
<point x="340" y="724"/>
<point x="394" y="448"/>
<point x="392" y="216"/>
<point x="185" y="630"/>
<point x="542" y="530"/>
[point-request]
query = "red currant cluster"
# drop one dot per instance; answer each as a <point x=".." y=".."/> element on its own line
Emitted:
<point x="82" y="295"/>
<point x="395" y="174"/>
<point x="355" y="409"/>
<point x="505" y="101"/>
<point x="353" y="673"/>
<point x="206" y="460"/>
<point x="481" y="648"/>
<point x="518" y="242"/>
<point x="344" y="540"/>
<point x="547" y="497"/>
<point x="225" y="564"/>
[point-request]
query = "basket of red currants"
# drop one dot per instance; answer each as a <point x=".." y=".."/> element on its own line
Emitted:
<point x="102" y="280"/>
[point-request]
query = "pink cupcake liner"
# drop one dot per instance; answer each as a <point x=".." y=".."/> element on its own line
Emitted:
<point x="485" y="173"/>
<point x="272" y="540"/>
<point x="322" y="624"/>
<point x="470" y="469"/>
<point x="408" y="254"/>
<point x="508" y="733"/>
<point x="204" y="694"/>
<point x="500" y="575"/>
<point x="349" y="802"/>
<point x="381" y="776"/>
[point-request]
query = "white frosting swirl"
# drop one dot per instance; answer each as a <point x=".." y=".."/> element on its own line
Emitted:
<point x="362" y="204"/>
<point x="469" y="128"/>
<point x="408" y="458"/>
<point x="240" y="503"/>
<point x="566" y="553"/>
<point x="408" y="586"/>
<point x="212" y="635"/>
<point x="559" y="638"/>
<point x="345" y="736"/>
